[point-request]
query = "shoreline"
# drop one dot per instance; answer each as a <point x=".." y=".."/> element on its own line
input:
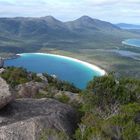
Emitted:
<point x="11" y="57"/>
<point x="91" y="66"/>
<point x="129" y="44"/>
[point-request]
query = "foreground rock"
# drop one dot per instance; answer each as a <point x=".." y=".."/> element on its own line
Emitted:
<point x="5" y="94"/>
<point x="29" y="90"/>
<point x="25" y="119"/>
<point x="2" y="70"/>
<point x="43" y="78"/>
<point x="1" y="62"/>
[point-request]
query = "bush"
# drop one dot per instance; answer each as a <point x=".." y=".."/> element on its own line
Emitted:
<point x="40" y="95"/>
<point x="51" y="134"/>
<point x="15" y="76"/>
<point x="103" y="92"/>
<point x="61" y="85"/>
<point x="63" y="98"/>
<point x="119" y="126"/>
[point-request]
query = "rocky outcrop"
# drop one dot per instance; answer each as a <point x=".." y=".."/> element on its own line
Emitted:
<point x="2" y="70"/>
<point x="1" y="62"/>
<point x="29" y="90"/>
<point x="43" y="78"/>
<point x="6" y="95"/>
<point x="25" y="119"/>
<point x="72" y="96"/>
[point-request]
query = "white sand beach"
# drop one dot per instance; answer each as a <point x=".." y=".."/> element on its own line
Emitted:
<point x="91" y="66"/>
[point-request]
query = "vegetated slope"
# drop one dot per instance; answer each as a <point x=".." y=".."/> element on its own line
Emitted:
<point x="136" y="31"/>
<point x="31" y="34"/>
<point x="31" y="27"/>
<point x="87" y="24"/>
<point x="111" y="110"/>
<point x="128" y="26"/>
<point x="108" y="109"/>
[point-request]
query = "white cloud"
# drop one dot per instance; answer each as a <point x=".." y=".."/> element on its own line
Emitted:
<point x="112" y="10"/>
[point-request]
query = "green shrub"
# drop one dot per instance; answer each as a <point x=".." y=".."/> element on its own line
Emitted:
<point x="63" y="98"/>
<point x="15" y="76"/>
<point x="110" y="107"/>
<point x="107" y="90"/>
<point x="61" y="85"/>
<point x="51" y="134"/>
<point x="40" y="95"/>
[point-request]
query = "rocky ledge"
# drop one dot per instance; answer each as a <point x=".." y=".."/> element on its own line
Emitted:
<point x="28" y="119"/>
<point x="25" y="119"/>
<point x="6" y="95"/>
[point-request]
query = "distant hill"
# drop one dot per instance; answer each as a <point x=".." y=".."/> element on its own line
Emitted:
<point x="25" y="27"/>
<point x="30" y="34"/>
<point x="128" y="26"/>
<point x="86" y="23"/>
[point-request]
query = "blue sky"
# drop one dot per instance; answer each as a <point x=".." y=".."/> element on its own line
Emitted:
<point x="115" y="11"/>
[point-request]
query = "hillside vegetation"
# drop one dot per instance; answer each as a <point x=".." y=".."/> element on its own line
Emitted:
<point x="111" y="110"/>
<point x="16" y="76"/>
<point x="32" y="34"/>
<point x="108" y="109"/>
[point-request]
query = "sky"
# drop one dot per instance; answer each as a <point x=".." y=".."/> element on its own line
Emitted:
<point x="115" y="11"/>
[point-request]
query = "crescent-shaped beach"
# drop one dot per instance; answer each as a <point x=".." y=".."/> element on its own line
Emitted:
<point x="91" y="66"/>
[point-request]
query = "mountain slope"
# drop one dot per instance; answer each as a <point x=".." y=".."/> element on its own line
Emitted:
<point x="25" y="27"/>
<point x="31" y="27"/>
<point x="32" y="34"/>
<point x="128" y="26"/>
<point x="87" y="23"/>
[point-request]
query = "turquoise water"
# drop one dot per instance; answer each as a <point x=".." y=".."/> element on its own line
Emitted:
<point x="132" y="42"/>
<point x="65" y="69"/>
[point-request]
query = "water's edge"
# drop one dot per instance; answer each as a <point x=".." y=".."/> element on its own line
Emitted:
<point x="91" y="66"/>
<point x="125" y="42"/>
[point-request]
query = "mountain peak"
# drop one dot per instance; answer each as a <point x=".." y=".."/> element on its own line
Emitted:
<point x="49" y="18"/>
<point x="53" y="22"/>
<point x="88" y="23"/>
<point x="85" y="18"/>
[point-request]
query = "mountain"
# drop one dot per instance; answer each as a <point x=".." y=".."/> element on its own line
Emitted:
<point x="53" y="23"/>
<point x="22" y="34"/>
<point x="25" y="27"/>
<point x="128" y="26"/>
<point x="87" y="23"/>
